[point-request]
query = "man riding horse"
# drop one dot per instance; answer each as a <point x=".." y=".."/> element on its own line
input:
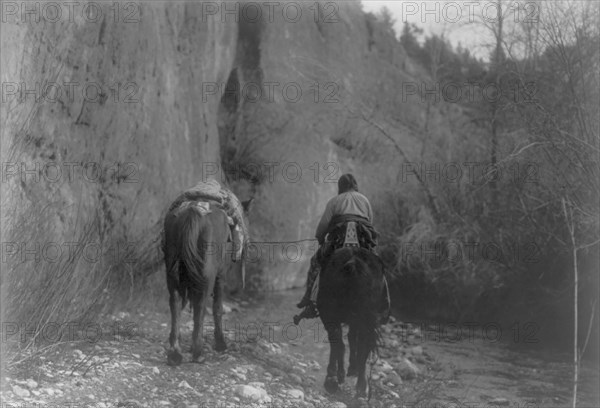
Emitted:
<point x="349" y="205"/>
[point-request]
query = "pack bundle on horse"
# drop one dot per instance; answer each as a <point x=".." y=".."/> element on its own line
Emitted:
<point x="197" y="228"/>
<point x="352" y="291"/>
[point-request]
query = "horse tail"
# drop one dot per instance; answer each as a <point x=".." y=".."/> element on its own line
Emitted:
<point x="373" y="332"/>
<point x="182" y="289"/>
<point x="191" y="254"/>
<point x="362" y="293"/>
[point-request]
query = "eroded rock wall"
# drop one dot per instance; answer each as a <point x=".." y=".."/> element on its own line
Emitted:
<point x="301" y="79"/>
<point x="120" y="133"/>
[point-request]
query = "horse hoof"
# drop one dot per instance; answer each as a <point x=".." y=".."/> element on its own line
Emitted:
<point x="341" y="377"/>
<point x="352" y="371"/>
<point x="199" y="359"/>
<point x="331" y="385"/>
<point x="174" y="358"/>
<point x="220" y="346"/>
<point x="360" y="402"/>
<point x="361" y="395"/>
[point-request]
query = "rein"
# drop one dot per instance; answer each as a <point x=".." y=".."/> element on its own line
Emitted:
<point x="283" y="242"/>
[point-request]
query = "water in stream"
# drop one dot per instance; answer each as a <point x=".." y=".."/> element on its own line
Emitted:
<point x="464" y="366"/>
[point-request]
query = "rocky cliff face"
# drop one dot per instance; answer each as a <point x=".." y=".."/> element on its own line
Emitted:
<point x="136" y="82"/>
<point x="121" y="131"/>
<point x="300" y="80"/>
<point x="118" y="108"/>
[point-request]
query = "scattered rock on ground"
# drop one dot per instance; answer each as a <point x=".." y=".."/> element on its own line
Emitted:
<point x="407" y="369"/>
<point x="296" y="394"/>
<point x="417" y="350"/>
<point x="296" y="378"/>
<point x="20" y="391"/>
<point x="251" y="393"/>
<point x="394" y="379"/>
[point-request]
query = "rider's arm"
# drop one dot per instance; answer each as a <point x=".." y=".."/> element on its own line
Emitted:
<point x="370" y="211"/>
<point x="364" y="207"/>
<point x="324" y="223"/>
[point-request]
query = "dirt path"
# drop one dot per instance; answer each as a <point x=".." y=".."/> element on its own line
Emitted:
<point x="270" y="362"/>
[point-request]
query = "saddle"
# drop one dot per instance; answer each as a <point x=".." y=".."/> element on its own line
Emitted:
<point x="351" y="238"/>
<point x="349" y="231"/>
<point x="345" y="231"/>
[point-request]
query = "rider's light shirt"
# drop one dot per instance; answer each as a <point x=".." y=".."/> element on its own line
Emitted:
<point x="350" y="203"/>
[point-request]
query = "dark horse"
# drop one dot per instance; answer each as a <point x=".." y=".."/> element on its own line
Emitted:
<point x="194" y="242"/>
<point x="350" y="292"/>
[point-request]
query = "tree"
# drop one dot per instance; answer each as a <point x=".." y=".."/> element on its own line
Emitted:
<point x="408" y="39"/>
<point x="564" y="118"/>
<point x="386" y="17"/>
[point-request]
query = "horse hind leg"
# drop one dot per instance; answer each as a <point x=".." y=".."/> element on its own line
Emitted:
<point x="352" y="342"/>
<point x="363" y="351"/>
<point x="199" y="306"/>
<point x="334" y="334"/>
<point x="220" y="344"/>
<point x="174" y="356"/>
<point x="352" y="365"/>
<point x="341" y="351"/>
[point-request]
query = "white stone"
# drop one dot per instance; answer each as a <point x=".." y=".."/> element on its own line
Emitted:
<point x="257" y="384"/>
<point x="407" y="369"/>
<point x="385" y="366"/>
<point x="252" y="393"/>
<point x="417" y="350"/>
<point x="296" y="394"/>
<point x="20" y="391"/>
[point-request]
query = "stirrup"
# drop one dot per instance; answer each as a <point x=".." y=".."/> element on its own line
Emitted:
<point x="303" y="303"/>
<point x="309" y="312"/>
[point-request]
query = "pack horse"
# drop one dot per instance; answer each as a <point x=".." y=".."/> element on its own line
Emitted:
<point x="197" y="228"/>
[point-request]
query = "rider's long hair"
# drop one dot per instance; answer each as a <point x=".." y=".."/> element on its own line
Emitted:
<point x="346" y="183"/>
